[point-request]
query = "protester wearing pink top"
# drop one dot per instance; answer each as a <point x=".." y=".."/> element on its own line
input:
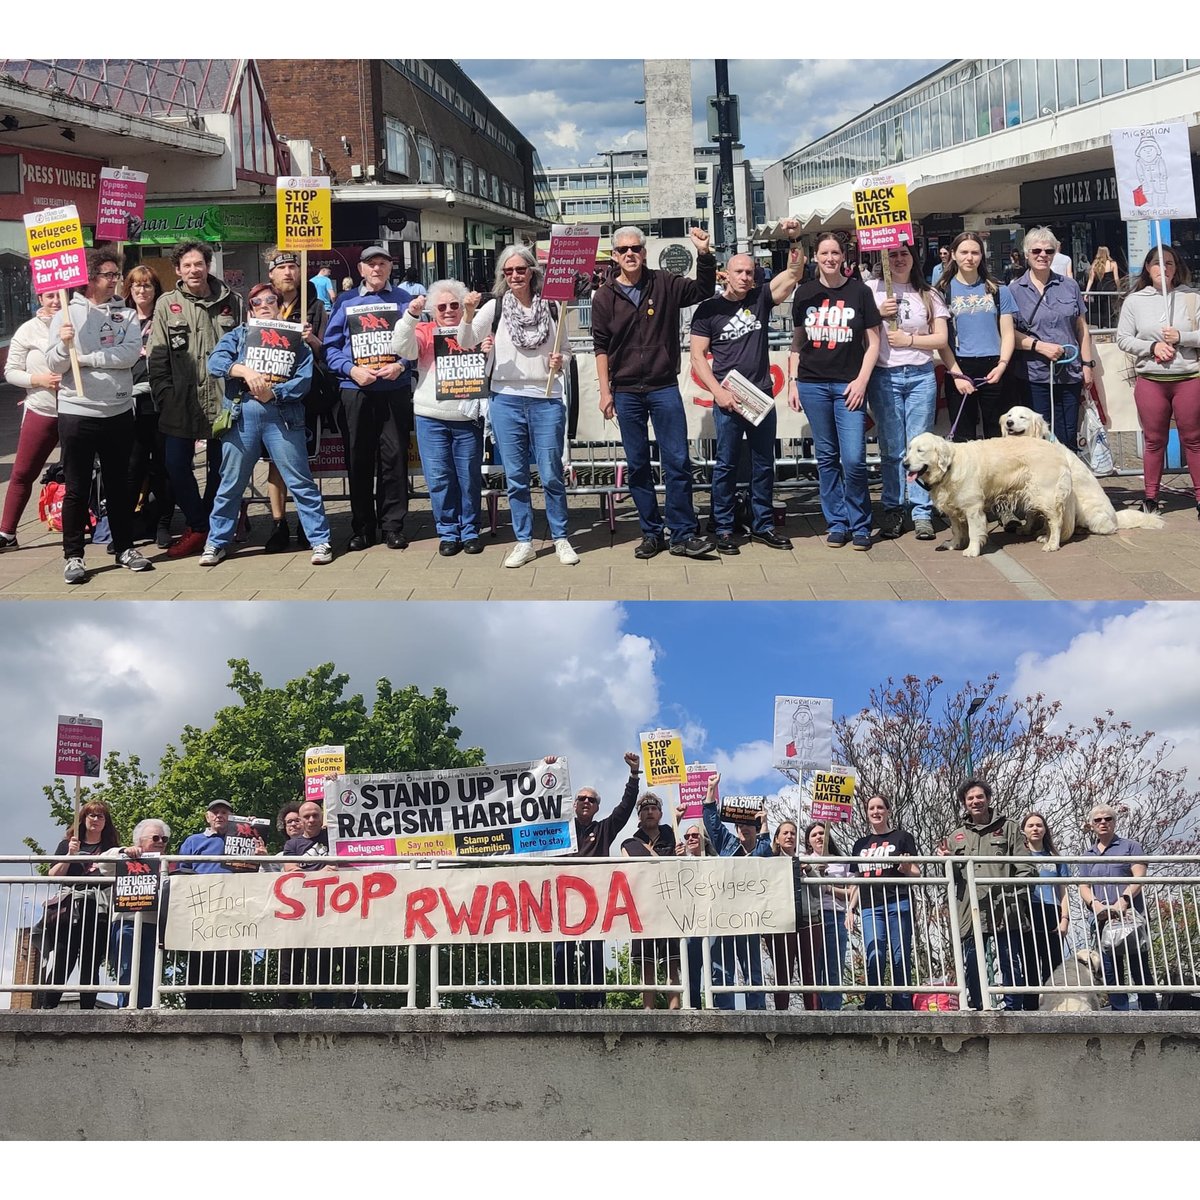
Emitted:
<point x="902" y="391"/>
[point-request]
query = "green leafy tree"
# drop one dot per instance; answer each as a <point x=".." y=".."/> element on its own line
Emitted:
<point x="253" y="752"/>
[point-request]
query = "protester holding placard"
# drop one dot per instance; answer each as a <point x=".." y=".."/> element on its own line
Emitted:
<point x="26" y="367"/>
<point x="147" y="466"/>
<point x="74" y="924"/>
<point x="886" y="911"/>
<point x="902" y="392"/>
<point x="653" y="840"/>
<point x="219" y="968"/>
<point x="1054" y="345"/>
<point x="834" y="348"/>
<point x="377" y="400"/>
<point x="149" y="841"/>
<point x="803" y="948"/>
<point x="981" y="340"/>
<point x="527" y="420"/>
<point x="742" y="950"/>
<point x="283" y="271"/>
<point x="189" y="321"/>
<point x="735" y="327"/>
<point x="449" y="431"/>
<point x="97" y="421"/>
<point x="267" y="368"/>
<point x="834" y="900"/>
<point x="1160" y="328"/>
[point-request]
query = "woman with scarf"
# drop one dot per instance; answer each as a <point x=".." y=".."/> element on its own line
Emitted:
<point x="528" y="418"/>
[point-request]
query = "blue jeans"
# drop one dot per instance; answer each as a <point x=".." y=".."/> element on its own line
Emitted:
<point x="840" y="439"/>
<point x="731" y="428"/>
<point x="746" y="952"/>
<point x="178" y="457"/>
<point x="887" y="932"/>
<point x="452" y="458"/>
<point x="904" y="402"/>
<point x="664" y="407"/>
<point x="831" y="965"/>
<point x="280" y="428"/>
<point x="120" y="951"/>
<point x="525" y="424"/>
<point x="1066" y="408"/>
<point x="1008" y="963"/>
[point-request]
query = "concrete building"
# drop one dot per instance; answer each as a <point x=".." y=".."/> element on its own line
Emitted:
<point x="199" y="128"/>
<point x="998" y="146"/>
<point x="419" y="156"/>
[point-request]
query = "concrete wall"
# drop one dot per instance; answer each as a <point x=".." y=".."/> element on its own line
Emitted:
<point x="521" y="1075"/>
<point x="668" y="87"/>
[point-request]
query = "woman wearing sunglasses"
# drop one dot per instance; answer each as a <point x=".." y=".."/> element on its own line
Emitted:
<point x="449" y="431"/>
<point x="149" y="841"/>
<point x="1054" y="347"/>
<point x="981" y="340"/>
<point x="528" y="420"/>
<point x="266" y="409"/>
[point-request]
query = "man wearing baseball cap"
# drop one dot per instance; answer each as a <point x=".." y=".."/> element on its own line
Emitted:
<point x="377" y="405"/>
<point x="213" y="967"/>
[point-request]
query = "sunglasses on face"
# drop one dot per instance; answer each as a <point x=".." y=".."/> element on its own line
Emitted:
<point x="156" y="837"/>
<point x="1038" y="252"/>
<point x="516" y="270"/>
<point x="629" y="249"/>
<point x="449" y="307"/>
<point x="1103" y="820"/>
<point x="268" y="303"/>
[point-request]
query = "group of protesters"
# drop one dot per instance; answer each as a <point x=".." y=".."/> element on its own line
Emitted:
<point x="867" y="885"/>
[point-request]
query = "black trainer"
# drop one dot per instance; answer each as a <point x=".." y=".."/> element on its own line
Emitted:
<point x="280" y="538"/>
<point x="649" y="547"/>
<point x="695" y="547"/>
<point x="770" y="538"/>
<point x="727" y="544"/>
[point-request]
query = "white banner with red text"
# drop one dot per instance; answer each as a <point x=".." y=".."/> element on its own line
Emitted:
<point x="400" y="905"/>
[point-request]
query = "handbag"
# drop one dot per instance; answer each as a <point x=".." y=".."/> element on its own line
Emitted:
<point x="1093" y="444"/>
<point x="1122" y="931"/>
<point x="223" y="422"/>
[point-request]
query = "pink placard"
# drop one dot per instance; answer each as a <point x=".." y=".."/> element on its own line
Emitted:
<point x="887" y="237"/>
<point x="829" y="810"/>
<point x="77" y="749"/>
<point x="569" y="256"/>
<point x="693" y="790"/>
<point x="122" y="196"/>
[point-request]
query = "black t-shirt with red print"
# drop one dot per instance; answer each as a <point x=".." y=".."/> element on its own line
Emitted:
<point x="830" y="325"/>
<point x="884" y="850"/>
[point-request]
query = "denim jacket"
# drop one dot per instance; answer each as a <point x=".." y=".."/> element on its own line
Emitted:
<point x="289" y="395"/>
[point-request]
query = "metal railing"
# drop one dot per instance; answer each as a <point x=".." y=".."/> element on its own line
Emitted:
<point x="956" y="936"/>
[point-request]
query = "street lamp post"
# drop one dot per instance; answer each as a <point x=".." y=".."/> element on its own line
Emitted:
<point x="976" y="704"/>
<point x="614" y="212"/>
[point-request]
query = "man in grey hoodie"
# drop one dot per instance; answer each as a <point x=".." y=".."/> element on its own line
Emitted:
<point x="98" y="418"/>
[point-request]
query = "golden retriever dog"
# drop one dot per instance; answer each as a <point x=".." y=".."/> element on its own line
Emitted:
<point x="1093" y="509"/>
<point x="965" y="479"/>
<point x="1082" y="970"/>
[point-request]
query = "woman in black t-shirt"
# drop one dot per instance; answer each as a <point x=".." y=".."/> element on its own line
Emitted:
<point x="886" y="911"/>
<point x="74" y="926"/>
<point x="834" y="348"/>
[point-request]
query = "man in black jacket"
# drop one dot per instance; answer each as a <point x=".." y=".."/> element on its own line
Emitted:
<point x="583" y="962"/>
<point x="635" y="333"/>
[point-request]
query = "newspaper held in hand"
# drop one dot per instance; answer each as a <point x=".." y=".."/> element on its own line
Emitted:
<point x="753" y="403"/>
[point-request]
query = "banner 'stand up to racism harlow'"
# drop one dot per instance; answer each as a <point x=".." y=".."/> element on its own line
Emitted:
<point x="519" y="808"/>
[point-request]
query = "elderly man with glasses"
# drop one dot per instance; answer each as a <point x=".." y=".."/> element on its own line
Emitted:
<point x="583" y="962"/>
<point x="1120" y="901"/>
<point x="149" y="841"/>
<point x="635" y="332"/>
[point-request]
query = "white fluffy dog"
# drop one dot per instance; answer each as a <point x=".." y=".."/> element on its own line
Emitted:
<point x="1093" y="509"/>
<point x="1082" y="970"/>
<point x="966" y="479"/>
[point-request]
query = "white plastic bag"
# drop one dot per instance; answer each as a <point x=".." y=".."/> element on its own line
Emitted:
<point x="1093" y="442"/>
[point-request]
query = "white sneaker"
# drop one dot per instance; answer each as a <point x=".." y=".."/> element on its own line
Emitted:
<point x="565" y="551"/>
<point x="322" y="555"/>
<point x="74" y="571"/>
<point x="213" y="555"/>
<point x="520" y="554"/>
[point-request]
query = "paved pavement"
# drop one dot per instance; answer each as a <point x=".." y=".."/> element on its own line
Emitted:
<point x="1132" y="565"/>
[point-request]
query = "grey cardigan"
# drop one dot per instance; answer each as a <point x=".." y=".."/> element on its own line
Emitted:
<point x="1141" y="324"/>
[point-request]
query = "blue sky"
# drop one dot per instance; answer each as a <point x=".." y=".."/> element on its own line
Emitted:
<point x="580" y="680"/>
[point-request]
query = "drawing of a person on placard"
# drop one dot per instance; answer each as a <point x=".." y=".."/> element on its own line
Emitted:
<point x="801" y="742"/>
<point x="1151" y="173"/>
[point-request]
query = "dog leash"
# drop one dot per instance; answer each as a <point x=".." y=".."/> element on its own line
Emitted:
<point x="962" y="400"/>
<point x="1070" y="354"/>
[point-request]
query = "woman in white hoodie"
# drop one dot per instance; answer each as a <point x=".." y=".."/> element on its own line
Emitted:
<point x="26" y="367"/>
<point x="525" y="420"/>
<point x="1163" y="336"/>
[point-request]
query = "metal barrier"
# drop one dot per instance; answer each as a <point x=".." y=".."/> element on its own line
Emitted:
<point x="906" y="946"/>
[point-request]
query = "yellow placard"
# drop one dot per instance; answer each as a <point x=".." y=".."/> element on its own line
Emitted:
<point x="304" y="212"/>
<point x="54" y="236"/>
<point x="833" y="795"/>
<point x="662" y="753"/>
